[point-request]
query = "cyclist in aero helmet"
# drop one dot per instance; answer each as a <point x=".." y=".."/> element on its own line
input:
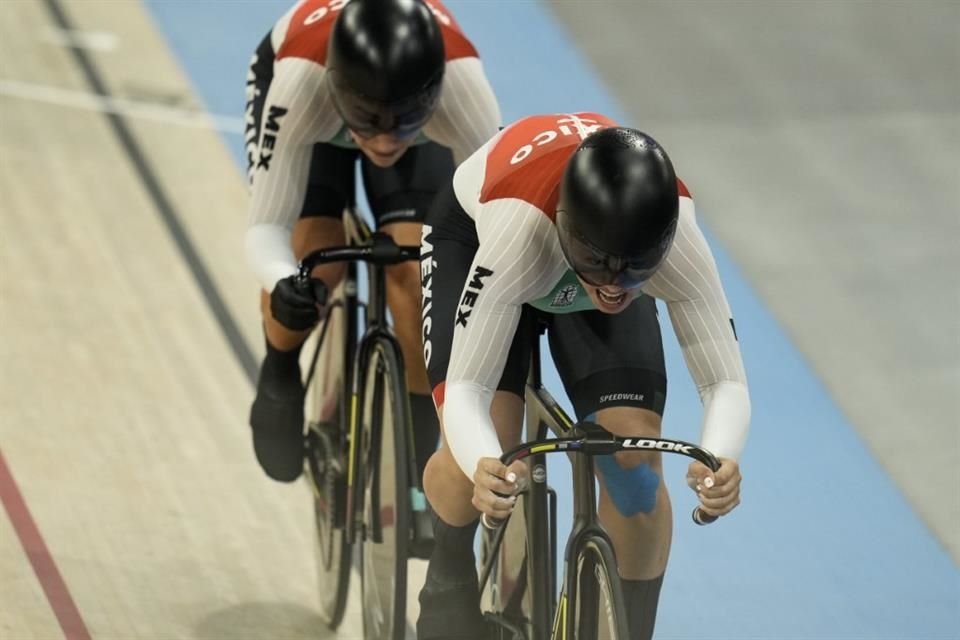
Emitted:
<point x="385" y="64"/>
<point x="395" y="86"/>
<point x="578" y="223"/>
<point x="618" y="208"/>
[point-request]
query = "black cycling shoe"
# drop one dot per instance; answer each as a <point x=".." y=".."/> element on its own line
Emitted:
<point x="277" y="421"/>
<point x="451" y="611"/>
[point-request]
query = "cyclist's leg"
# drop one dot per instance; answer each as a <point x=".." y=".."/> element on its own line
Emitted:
<point x="450" y="597"/>
<point x="399" y="197"/>
<point x="613" y="371"/>
<point x="277" y="412"/>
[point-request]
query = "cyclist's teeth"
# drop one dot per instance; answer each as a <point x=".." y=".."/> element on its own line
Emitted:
<point x="611" y="299"/>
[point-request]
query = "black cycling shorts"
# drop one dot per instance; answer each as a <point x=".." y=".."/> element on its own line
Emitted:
<point x="400" y="193"/>
<point x="604" y="360"/>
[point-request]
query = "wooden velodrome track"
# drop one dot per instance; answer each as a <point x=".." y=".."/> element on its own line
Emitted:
<point x="124" y="410"/>
<point x="130" y="332"/>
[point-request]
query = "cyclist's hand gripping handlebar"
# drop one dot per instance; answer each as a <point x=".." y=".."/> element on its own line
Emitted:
<point x="294" y="301"/>
<point x="700" y="516"/>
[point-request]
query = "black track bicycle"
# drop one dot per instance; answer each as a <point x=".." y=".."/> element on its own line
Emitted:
<point x="518" y="557"/>
<point x="368" y="501"/>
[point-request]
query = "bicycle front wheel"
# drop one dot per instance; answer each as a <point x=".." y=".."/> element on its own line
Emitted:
<point x="596" y="604"/>
<point x="386" y="507"/>
<point x="326" y="414"/>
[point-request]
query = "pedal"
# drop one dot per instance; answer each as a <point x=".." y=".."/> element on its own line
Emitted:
<point x="421" y="539"/>
<point x="327" y="470"/>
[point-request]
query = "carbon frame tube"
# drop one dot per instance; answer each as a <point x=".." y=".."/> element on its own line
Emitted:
<point x="543" y="413"/>
<point x="379" y="250"/>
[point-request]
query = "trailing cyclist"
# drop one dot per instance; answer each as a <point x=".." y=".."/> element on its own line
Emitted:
<point x="571" y="220"/>
<point x="396" y="84"/>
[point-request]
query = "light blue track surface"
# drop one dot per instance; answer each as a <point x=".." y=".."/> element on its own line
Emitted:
<point x="823" y="546"/>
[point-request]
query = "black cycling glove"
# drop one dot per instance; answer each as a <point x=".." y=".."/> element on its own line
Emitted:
<point x="295" y="304"/>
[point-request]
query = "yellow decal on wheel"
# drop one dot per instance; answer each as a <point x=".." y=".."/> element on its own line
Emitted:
<point x="353" y="437"/>
<point x="560" y="622"/>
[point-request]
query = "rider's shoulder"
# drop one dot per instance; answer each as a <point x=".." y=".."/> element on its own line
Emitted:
<point x="527" y="158"/>
<point x="304" y="31"/>
<point x="456" y="44"/>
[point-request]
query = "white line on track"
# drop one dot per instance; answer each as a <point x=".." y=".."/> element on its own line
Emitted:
<point x="93" y="40"/>
<point x="121" y="106"/>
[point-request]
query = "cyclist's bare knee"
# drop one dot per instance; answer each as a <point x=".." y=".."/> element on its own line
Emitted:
<point x="403" y="298"/>
<point x="403" y="232"/>
<point x="636" y="423"/>
<point x="403" y="279"/>
<point x="319" y="232"/>
<point x="632" y="479"/>
<point x="634" y="503"/>
<point x="448" y="489"/>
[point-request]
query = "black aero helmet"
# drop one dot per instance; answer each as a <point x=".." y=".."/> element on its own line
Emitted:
<point x="618" y="207"/>
<point x="386" y="62"/>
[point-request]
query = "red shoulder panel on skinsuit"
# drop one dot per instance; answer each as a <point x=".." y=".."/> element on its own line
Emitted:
<point x="309" y="30"/>
<point x="308" y="33"/>
<point x="455" y="43"/>
<point x="531" y="154"/>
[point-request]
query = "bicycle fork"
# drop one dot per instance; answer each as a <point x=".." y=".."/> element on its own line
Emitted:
<point x="586" y="531"/>
<point x="354" y="514"/>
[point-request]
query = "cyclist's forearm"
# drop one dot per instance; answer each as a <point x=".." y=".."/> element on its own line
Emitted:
<point x="269" y="254"/>
<point x="468" y="427"/>
<point x="726" y="418"/>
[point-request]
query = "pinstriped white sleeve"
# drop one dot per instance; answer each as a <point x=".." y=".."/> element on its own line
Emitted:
<point x="467" y="114"/>
<point x="519" y="259"/>
<point x="297" y="113"/>
<point x="690" y="285"/>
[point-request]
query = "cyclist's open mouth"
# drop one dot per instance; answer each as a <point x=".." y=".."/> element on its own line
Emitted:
<point x="610" y="299"/>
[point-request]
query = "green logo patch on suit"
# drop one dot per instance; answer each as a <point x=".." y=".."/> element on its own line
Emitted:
<point x="567" y="296"/>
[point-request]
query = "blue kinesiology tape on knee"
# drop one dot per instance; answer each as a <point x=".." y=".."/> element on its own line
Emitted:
<point x="632" y="490"/>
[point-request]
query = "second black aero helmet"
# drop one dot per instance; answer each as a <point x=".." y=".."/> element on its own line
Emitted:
<point x="386" y="61"/>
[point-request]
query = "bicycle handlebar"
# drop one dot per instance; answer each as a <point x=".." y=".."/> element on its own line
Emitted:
<point x="380" y="250"/>
<point x="598" y="441"/>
